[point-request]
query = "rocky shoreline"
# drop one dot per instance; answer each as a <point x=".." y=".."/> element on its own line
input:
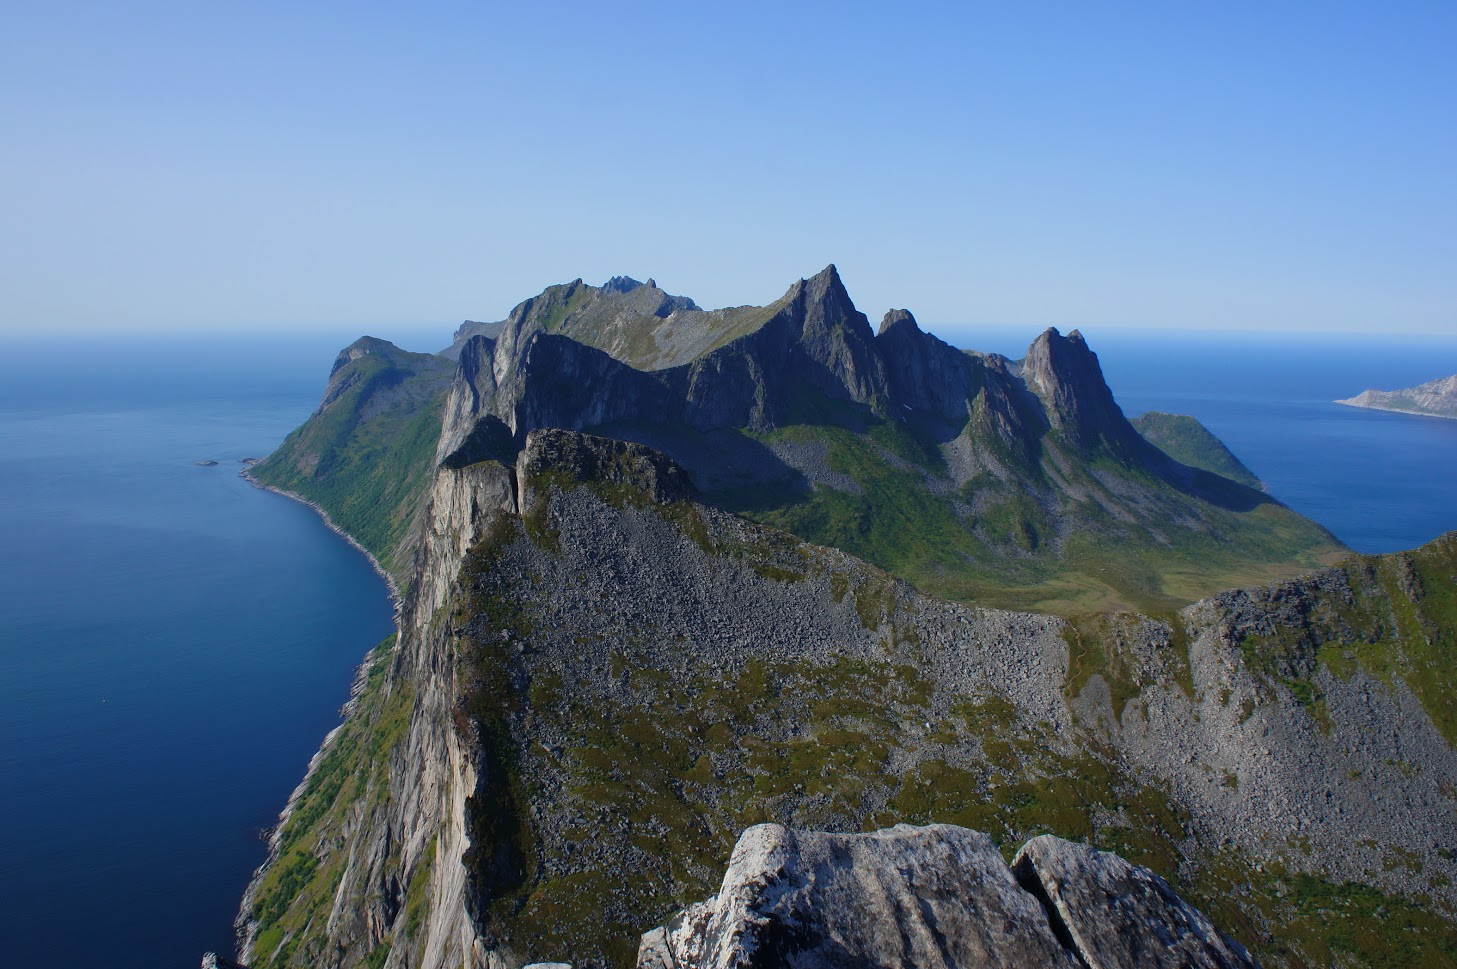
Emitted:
<point x="396" y="599"/>
<point x="1435" y="398"/>
<point x="1355" y="402"/>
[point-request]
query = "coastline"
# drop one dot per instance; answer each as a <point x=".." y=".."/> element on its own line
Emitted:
<point x="244" y="925"/>
<point x="396" y="599"/>
<point x="1395" y="410"/>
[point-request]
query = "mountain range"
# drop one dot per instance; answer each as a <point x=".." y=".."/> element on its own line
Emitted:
<point x="670" y="572"/>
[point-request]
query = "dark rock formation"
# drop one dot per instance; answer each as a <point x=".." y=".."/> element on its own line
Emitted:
<point x="547" y="370"/>
<point x="582" y="457"/>
<point x="620" y="284"/>
<point x="934" y="897"/>
<point x="1065" y="374"/>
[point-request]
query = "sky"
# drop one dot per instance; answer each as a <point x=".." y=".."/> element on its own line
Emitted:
<point x="262" y="166"/>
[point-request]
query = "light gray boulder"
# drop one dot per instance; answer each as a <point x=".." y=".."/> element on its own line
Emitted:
<point x="1120" y="916"/>
<point x="934" y="898"/>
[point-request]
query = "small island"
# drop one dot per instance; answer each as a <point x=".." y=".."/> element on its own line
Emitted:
<point x="1436" y="398"/>
<point x="206" y="463"/>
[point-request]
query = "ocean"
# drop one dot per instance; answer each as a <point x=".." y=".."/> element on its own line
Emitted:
<point x="178" y="642"/>
<point x="1380" y="482"/>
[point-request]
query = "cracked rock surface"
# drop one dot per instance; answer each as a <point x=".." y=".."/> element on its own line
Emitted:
<point x="933" y="897"/>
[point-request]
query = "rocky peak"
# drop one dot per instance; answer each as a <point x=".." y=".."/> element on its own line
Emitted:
<point x="1066" y="375"/>
<point x="826" y="341"/>
<point x="926" y="374"/>
<point x="361" y="347"/>
<point x="624" y="284"/>
<point x="826" y="291"/>
<point x="939" y="896"/>
<point x="894" y="318"/>
<point x="584" y="459"/>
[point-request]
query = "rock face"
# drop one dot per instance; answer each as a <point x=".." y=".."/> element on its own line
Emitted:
<point x="938" y="897"/>
<point x="1120" y="916"/>
<point x="553" y="365"/>
<point x="1436" y="398"/>
<point x="1065" y="374"/>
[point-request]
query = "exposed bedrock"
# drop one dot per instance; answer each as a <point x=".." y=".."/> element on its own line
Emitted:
<point x="935" y="897"/>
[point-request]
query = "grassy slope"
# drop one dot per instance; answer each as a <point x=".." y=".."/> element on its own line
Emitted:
<point x="366" y="458"/>
<point x="295" y="897"/>
<point x="640" y="339"/>
<point x="996" y="543"/>
<point x="1189" y="442"/>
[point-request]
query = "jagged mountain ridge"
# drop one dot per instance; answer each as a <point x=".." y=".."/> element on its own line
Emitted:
<point x="809" y="420"/>
<point x="603" y="681"/>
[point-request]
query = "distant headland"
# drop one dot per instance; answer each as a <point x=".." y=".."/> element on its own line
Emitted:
<point x="1436" y="398"/>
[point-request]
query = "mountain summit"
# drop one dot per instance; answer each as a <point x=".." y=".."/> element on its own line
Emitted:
<point x="977" y="477"/>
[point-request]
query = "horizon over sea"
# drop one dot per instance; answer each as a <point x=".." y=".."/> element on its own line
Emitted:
<point x="181" y="641"/>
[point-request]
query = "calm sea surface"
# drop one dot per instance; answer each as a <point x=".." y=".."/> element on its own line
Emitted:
<point x="1381" y="482"/>
<point x="177" y="642"/>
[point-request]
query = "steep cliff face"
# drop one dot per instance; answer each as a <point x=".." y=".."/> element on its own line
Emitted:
<point x="609" y="664"/>
<point x="618" y="679"/>
<point x="366" y="862"/>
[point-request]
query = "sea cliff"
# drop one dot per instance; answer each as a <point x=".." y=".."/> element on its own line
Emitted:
<point x="609" y="663"/>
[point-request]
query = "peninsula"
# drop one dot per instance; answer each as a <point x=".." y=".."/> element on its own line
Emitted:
<point x="669" y="573"/>
<point x="1435" y="398"/>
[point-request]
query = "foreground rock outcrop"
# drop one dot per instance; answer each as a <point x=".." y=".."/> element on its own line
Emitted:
<point x="936" y="897"/>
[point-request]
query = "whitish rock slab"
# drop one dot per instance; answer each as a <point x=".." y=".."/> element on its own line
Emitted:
<point x="935" y="897"/>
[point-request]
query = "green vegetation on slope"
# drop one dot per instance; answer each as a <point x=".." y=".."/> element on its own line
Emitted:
<point x="366" y="455"/>
<point x="1018" y="542"/>
<point x="629" y="325"/>
<point x="1189" y="442"/>
<point x="1393" y="616"/>
<point x="294" y="899"/>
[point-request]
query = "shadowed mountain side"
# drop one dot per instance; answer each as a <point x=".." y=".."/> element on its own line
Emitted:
<point x="1018" y="484"/>
<point x="532" y="376"/>
<point x="1187" y="441"/>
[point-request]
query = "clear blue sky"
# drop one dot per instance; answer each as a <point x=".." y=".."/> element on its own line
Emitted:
<point x="230" y="164"/>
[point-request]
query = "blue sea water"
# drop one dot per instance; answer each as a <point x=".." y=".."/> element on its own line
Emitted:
<point x="177" y="642"/>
